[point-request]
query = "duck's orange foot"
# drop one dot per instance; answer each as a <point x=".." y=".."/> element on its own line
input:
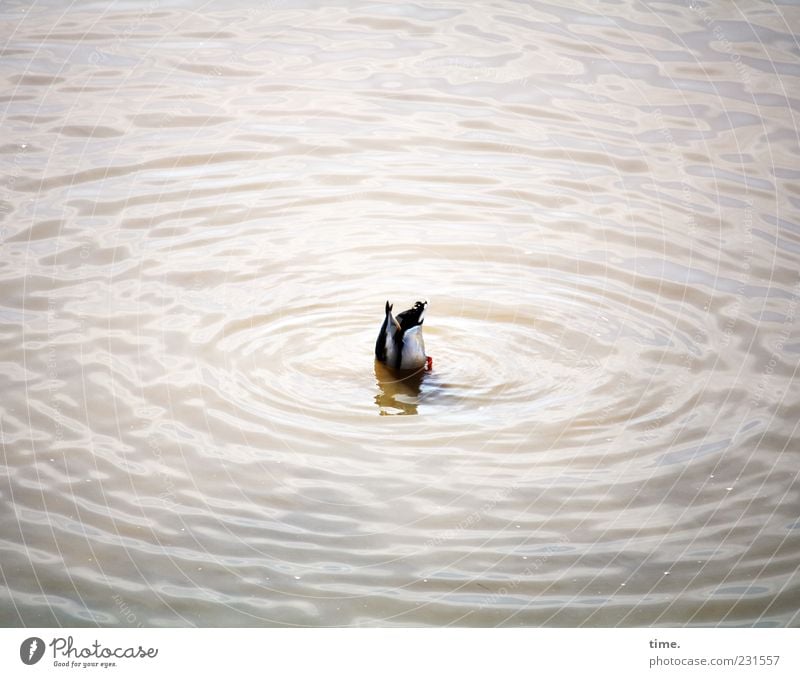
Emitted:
<point x="428" y="363"/>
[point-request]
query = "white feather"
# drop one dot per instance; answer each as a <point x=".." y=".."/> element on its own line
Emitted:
<point x="413" y="356"/>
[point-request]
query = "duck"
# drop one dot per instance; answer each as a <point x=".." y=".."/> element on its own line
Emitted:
<point x="400" y="344"/>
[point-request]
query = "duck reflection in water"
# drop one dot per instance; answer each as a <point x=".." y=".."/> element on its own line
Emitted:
<point x="398" y="392"/>
<point x="400" y="360"/>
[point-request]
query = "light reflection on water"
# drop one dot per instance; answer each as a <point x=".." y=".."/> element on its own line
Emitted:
<point x="203" y="213"/>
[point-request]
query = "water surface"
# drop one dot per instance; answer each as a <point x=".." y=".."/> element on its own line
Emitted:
<point x="205" y="207"/>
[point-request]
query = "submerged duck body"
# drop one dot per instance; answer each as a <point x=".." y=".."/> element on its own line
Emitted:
<point x="400" y="343"/>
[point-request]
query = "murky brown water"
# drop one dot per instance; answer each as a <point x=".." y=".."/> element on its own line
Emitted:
<point x="203" y="214"/>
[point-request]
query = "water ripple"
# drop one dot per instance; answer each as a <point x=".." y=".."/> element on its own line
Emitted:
<point x="204" y="214"/>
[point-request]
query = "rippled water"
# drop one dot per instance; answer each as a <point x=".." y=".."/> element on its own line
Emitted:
<point x="204" y="211"/>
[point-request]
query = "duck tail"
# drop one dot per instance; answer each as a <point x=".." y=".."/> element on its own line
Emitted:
<point x="392" y="325"/>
